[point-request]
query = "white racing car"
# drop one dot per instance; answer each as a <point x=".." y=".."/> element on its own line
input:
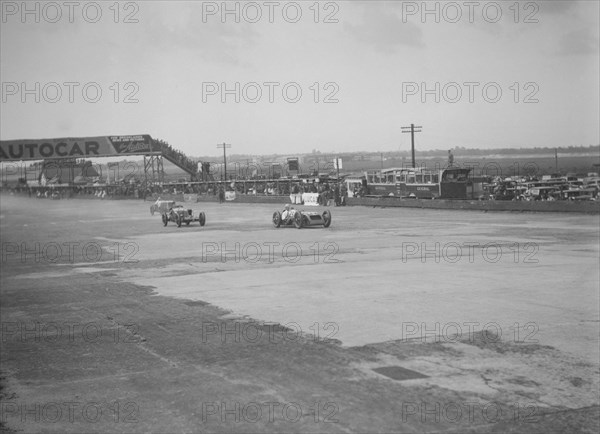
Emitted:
<point x="300" y="219"/>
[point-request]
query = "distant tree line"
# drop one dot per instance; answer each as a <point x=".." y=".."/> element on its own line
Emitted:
<point x="458" y="150"/>
<point x="509" y="151"/>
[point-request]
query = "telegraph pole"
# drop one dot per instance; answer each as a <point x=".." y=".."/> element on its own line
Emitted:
<point x="224" y="146"/>
<point x="412" y="132"/>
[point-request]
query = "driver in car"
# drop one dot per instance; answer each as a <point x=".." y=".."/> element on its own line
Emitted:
<point x="288" y="213"/>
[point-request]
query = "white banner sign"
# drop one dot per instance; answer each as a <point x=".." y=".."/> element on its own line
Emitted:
<point x="230" y="195"/>
<point x="310" y="199"/>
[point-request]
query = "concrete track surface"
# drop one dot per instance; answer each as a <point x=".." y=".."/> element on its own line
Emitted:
<point x="391" y="320"/>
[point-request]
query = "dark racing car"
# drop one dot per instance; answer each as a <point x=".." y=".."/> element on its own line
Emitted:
<point x="180" y="215"/>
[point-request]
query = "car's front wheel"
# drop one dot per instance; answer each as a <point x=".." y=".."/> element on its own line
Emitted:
<point x="326" y="218"/>
<point x="298" y="220"/>
<point x="178" y="220"/>
<point x="277" y="219"/>
<point x="202" y="219"/>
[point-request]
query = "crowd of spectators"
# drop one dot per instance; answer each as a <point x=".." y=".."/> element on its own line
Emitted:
<point x="73" y="192"/>
<point x="176" y="156"/>
<point x="326" y="190"/>
<point x="329" y="192"/>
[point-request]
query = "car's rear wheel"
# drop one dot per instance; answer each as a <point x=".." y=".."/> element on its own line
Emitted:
<point x="298" y="219"/>
<point x="202" y="219"/>
<point x="165" y="219"/>
<point x="277" y="219"/>
<point x="326" y="218"/>
<point x="178" y="220"/>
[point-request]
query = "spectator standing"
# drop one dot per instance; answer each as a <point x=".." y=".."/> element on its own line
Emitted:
<point x="221" y="194"/>
<point x="336" y="195"/>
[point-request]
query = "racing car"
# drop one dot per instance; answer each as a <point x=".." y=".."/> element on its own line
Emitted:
<point x="301" y="219"/>
<point x="179" y="215"/>
<point x="161" y="206"/>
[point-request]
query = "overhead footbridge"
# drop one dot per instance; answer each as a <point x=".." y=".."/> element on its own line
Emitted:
<point x="70" y="148"/>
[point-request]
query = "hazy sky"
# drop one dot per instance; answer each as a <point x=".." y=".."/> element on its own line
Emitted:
<point x="376" y="63"/>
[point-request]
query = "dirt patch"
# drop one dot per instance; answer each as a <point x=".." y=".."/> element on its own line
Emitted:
<point x="491" y="341"/>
